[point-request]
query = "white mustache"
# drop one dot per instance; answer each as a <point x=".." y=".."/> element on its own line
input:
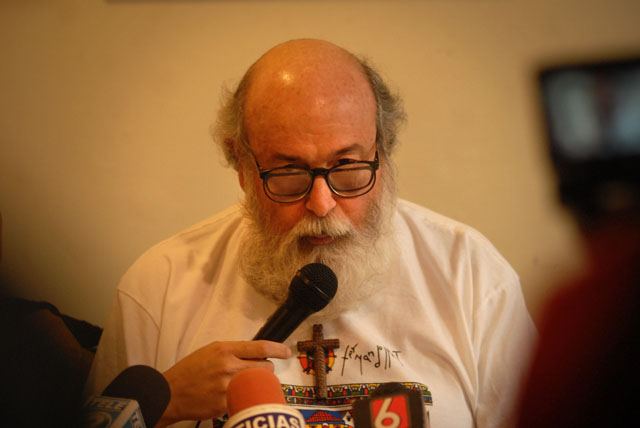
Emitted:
<point x="329" y="226"/>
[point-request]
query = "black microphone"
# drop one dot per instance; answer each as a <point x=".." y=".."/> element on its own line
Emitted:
<point x="136" y="397"/>
<point x="311" y="289"/>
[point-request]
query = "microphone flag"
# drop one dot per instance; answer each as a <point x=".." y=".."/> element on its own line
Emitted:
<point x="267" y="416"/>
<point x="107" y="412"/>
<point x="398" y="409"/>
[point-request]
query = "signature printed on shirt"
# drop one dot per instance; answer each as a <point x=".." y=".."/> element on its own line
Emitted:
<point x="380" y="358"/>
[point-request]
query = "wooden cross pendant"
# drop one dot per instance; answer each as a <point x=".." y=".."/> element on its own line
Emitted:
<point x="317" y="346"/>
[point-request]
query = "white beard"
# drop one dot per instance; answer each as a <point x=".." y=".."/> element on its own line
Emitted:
<point x="358" y="256"/>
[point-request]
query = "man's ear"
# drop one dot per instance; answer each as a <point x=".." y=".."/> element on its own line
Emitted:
<point x="231" y="148"/>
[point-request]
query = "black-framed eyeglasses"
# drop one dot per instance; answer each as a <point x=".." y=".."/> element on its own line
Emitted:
<point x="348" y="179"/>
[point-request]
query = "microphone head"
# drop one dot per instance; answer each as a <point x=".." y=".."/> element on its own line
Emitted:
<point x="147" y="386"/>
<point x="252" y="387"/>
<point x="313" y="286"/>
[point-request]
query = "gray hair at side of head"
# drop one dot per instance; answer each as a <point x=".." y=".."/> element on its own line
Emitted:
<point x="230" y="135"/>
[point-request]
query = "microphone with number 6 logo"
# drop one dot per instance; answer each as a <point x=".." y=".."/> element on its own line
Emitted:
<point x="391" y="405"/>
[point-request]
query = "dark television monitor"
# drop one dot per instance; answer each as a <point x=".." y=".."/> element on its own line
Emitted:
<point x="592" y="117"/>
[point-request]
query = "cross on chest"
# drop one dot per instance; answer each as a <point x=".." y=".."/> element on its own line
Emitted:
<point x="317" y="347"/>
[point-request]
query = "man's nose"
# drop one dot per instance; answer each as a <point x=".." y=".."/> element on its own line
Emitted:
<point x="321" y="199"/>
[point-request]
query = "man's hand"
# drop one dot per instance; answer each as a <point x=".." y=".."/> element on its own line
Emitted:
<point x="199" y="381"/>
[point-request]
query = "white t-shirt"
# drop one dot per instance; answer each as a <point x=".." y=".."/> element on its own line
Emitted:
<point x="452" y="320"/>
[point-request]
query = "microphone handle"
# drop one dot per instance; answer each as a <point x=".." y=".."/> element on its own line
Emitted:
<point x="282" y="323"/>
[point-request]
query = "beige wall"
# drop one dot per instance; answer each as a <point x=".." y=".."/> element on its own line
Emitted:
<point x="105" y="108"/>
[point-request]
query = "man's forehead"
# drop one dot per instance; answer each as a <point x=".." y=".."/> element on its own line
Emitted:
<point x="310" y="69"/>
<point x="293" y="154"/>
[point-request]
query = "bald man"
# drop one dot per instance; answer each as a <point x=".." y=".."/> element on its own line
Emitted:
<point x="422" y="299"/>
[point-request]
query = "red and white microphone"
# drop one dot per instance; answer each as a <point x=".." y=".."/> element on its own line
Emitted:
<point x="255" y="399"/>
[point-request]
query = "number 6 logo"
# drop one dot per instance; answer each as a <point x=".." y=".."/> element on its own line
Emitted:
<point x="390" y="412"/>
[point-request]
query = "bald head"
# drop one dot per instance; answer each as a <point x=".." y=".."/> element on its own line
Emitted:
<point x="297" y="80"/>
<point x="300" y="67"/>
<point x="307" y="87"/>
<point x="307" y="56"/>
